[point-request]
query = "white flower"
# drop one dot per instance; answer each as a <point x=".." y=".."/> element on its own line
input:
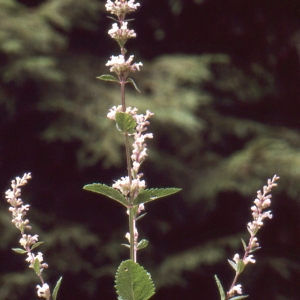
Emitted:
<point x="236" y="289"/>
<point x="236" y="258"/>
<point x="44" y="291"/>
<point x="132" y="5"/>
<point x="121" y="8"/>
<point x="120" y="66"/>
<point x="121" y="34"/>
<point x="112" y="112"/>
<point x="248" y="259"/>
<point x="254" y="243"/>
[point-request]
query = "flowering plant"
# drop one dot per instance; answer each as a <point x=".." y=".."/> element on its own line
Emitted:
<point x="133" y="282"/>
<point x="28" y="242"/>
<point x="262" y="201"/>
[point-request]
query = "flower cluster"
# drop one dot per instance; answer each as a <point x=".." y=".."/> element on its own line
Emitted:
<point x="18" y="209"/>
<point x="262" y="201"/>
<point x="28" y="242"/>
<point x="120" y="32"/>
<point x="121" y="8"/>
<point x="123" y="67"/>
<point x="139" y="152"/>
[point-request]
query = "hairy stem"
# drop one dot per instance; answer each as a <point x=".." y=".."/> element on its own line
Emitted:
<point x="128" y="160"/>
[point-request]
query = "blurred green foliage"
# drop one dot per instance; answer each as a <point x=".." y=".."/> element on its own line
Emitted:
<point x="223" y="82"/>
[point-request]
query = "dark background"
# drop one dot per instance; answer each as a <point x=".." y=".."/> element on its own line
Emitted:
<point x="222" y="78"/>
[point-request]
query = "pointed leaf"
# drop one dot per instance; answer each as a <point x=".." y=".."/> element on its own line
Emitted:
<point x="108" y="77"/>
<point x="125" y="122"/>
<point x="133" y="282"/>
<point x="55" y="291"/>
<point x="112" y="18"/>
<point x="126" y="245"/>
<point x="19" y="250"/>
<point x="36" y="245"/>
<point x="134" y="84"/>
<point x="221" y="290"/>
<point x="244" y="245"/>
<point x="239" y="297"/>
<point x="106" y="191"/>
<point x="142" y="244"/>
<point x="141" y="216"/>
<point x="37" y="266"/>
<point x="254" y="249"/>
<point x="233" y="264"/>
<point x="240" y="266"/>
<point x="153" y="194"/>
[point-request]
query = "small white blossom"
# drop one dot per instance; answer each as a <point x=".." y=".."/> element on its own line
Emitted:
<point x="121" y="67"/>
<point x="248" y="259"/>
<point x="44" y="291"/>
<point x="121" y="8"/>
<point x="121" y="34"/>
<point x="236" y="258"/>
<point x="112" y="112"/>
<point x="236" y="289"/>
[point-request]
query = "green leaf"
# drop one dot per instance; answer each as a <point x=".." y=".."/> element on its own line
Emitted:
<point x="108" y="77"/>
<point x="221" y="290"/>
<point x="106" y="191"/>
<point x="142" y="244"/>
<point x="239" y="297"/>
<point x="55" y="291"/>
<point x="36" y="245"/>
<point x="134" y="84"/>
<point x="133" y="282"/>
<point x="141" y="216"/>
<point x="244" y="245"/>
<point x="240" y="266"/>
<point x="19" y="250"/>
<point x="254" y="249"/>
<point x="37" y="266"/>
<point x="126" y="245"/>
<point x="153" y="194"/>
<point x="125" y="122"/>
<point x="233" y="264"/>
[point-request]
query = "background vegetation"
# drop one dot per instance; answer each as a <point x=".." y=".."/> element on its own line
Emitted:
<point x="222" y="78"/>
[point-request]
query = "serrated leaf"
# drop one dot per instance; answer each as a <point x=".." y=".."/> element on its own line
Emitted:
<point x="36" y="245"/>
<point x="19" y="250"/>
<point x="37" y="266"/>
<point x="153" y="194"/>
<point x="134" y="84"/>
<point x="239" y="297"/>
<point x="106" y="191"/>
<point x="233" y="264"/>
<point x="133" y="282"/>
<point x="244" y="245"/>
<point x="125" y="122"/>
<point x="108" y="77"/>
<point x="221" y="290"/>
<point x="142" y="244"/>
<point x="55" y="291"/>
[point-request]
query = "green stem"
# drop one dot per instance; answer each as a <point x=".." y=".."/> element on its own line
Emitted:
<point x="131" y="230"/>
<point x="128" y="160"/>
